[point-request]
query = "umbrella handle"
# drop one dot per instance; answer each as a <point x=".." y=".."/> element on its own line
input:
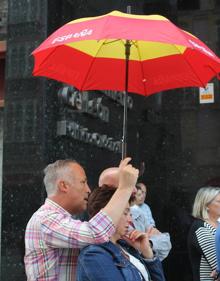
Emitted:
<point x="127" y="55"/>
<point x="125" y="118"/>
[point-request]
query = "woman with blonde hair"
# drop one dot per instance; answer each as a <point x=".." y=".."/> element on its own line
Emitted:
<point x="201" y="236"/>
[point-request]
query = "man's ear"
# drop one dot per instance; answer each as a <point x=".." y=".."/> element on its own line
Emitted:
<point x="62" y="186"/>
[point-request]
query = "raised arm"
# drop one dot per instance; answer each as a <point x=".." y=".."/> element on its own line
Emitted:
<point x="127" y="179"/>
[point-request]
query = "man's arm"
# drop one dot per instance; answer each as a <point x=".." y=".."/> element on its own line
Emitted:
<point x="59" y="231"/>
<point x="64" y="232"/>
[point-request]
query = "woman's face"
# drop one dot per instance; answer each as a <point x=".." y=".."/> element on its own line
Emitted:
<point x="124" y="223"/>
<point x="139" y="197"/>
<point x="214" y="207"/>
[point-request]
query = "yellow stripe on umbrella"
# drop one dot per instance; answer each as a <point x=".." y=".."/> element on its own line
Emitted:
<point x="114" y="49"/>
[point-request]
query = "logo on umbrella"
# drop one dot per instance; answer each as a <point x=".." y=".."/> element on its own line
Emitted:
<point x="83" y="33"/>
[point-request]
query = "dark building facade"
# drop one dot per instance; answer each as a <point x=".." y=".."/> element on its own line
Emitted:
<point x="176" y="136"/>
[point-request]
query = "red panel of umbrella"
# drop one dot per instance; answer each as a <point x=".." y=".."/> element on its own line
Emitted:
<point x="124" y="52"/>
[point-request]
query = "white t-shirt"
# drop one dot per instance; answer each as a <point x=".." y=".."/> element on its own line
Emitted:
<point x="139" y="265"/>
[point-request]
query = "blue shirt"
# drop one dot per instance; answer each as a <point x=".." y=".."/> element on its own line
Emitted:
<point x="147" y="213"/>
<point x="106" y="262"/>
<point x="217" y="245"/>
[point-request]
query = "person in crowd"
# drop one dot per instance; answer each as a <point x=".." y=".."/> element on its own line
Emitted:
<point x="130" y="259"/>
<point x="138" y="218"/>
<point x="140" y="202"/>
<point x="201" y="236"/>
<point x="53" y="238"/>
<point x="160" y="242"/>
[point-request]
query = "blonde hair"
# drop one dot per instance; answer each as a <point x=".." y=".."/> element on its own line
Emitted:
<point x="204" y="197"/>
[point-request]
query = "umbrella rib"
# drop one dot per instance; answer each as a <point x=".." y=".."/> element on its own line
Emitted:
<point x="192" y="68"/>
<point x="50" y="54"/>
<point x="105" y="42"/>
<point x="113" y="41"/>
<point x="135" y="43"/>
<point x="90" y="66"/>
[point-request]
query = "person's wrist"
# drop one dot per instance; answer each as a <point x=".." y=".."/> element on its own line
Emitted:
<point x="148" y="253"/>
<point x="125" y="187"/>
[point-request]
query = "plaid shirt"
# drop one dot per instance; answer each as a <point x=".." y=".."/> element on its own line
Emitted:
<point x="53" y="239"/>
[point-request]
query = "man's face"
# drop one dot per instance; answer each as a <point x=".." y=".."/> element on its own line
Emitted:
<point x="77" y="188"/>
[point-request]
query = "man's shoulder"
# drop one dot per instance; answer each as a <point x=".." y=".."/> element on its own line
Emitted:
<point x="45" y="212"/>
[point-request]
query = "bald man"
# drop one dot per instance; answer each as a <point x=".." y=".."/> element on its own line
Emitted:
<point x="160" y="241"/>
<point x="109" y="177"/>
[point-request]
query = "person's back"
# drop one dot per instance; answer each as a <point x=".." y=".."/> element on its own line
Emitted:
<point x="51" y="247"/>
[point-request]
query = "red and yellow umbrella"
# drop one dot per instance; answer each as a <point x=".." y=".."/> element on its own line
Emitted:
<point x="89" y="53"/>
<point x="124" y="52"/>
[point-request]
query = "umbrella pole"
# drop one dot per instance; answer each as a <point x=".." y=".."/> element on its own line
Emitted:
<point x="125" y="117"/>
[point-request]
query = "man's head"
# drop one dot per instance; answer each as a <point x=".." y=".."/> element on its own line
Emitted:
<point x="109" y="177"/>
<point x="66" y="183"/>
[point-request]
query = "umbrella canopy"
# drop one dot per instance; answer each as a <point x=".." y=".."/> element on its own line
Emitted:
<point x="89" y="53"/>
<point x="124" y="52"/>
